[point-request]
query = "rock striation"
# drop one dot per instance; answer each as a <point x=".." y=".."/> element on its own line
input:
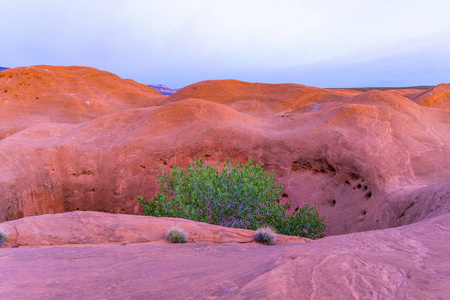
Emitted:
<point x="76" y="138"/>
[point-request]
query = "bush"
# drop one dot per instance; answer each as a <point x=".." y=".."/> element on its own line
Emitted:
<point x="3" y="238"/>
<point x="176" y="235"/>
<point x="266" y="235"/>
<point x="240" y="196"/>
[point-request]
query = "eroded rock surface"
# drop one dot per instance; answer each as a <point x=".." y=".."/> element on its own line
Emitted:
<point x="87" y="227"/>
<point x="370" y="160"/>
<point x="410" y="262"/>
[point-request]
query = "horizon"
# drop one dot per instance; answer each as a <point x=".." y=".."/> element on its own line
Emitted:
<point x="178" y="88"/>
<point x="350" y="44"/>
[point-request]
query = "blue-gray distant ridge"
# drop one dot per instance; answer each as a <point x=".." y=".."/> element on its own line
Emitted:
<point x="162" y="89"/>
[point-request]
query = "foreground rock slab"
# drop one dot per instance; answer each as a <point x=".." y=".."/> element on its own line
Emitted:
<point x="409" y="262"/>
<point x="89" y="227"/>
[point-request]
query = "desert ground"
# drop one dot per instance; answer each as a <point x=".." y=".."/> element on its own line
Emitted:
<point x="78" y="145"/>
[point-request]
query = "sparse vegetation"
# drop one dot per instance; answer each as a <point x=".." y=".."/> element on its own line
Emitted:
<point x="176" y="235"/>
<point x="286" y="116"/>
<point x="3" y="238"/>
<point x="266" y="235"/>
<point x="238" y="196"/>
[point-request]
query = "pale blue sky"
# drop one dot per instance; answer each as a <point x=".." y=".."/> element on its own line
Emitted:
<point x="325" y="43"/>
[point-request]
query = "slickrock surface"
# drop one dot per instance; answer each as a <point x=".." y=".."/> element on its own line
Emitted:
<point x="410" y="262"/>
<point x="436" y="97"/>
<point x="370" y="160"/>
<point x="76" y="142"/>
<point x="87" y="227"/>
<point x="49" y="94"/>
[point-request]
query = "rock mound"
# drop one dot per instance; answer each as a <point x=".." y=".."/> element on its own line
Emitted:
<point x="370" y="160"/>
<point x="49" y="94"/>
<point x="438" y="96"/>
<point x="257" y="97"/>
<point x="409" y="262"/>
<point x="98" y="228"/>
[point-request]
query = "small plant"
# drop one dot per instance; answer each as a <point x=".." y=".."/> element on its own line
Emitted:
<point x="3" y="238"/>
<point x="286" y="116"/>
<point x="176" y="235"/>
<point x="237" y="196"/>
<point x="266" y="235"/>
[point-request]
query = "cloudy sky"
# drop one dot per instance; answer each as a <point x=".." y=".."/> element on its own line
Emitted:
<point x="325" y="43"/>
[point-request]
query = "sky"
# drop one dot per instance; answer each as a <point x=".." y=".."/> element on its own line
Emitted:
<point x="324" y="43"/>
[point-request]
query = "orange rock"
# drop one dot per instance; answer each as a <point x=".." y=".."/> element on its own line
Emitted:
<point x="89" y="227"/>
<point x="49" y="94"/>
<point x="370" y="160"/>
<point x="438" y="96"/>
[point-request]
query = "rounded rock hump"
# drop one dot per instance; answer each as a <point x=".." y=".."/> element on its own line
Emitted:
<point x="370" y="160"/>
<point x="258" y="98"/>
<point x="438" y="96"/>
<point x="61" y="94"/>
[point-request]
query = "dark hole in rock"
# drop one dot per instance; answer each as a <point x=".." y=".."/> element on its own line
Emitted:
<point x="354" y="176"/>
<point x="368" y="195"/>
<point x="358" y="186"/>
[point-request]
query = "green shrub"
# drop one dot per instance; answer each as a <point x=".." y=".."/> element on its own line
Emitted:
<point x="3" y="238"/>
<point x="240" y="196"/>
<point x="266" y="235"/>
<point x="176" y="235"/>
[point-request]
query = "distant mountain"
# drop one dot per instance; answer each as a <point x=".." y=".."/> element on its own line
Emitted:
<point x="365" y="89"/>
<point x="162" y="89"/>
<point x="2" y="68"/>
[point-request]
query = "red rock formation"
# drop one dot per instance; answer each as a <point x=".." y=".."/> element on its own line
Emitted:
<point x="409" y="262"/>
<point x="370" y="160"/>
<point x="49" y="94"/>
<point x="438" y="96"/>
<point x="83" y="227"/>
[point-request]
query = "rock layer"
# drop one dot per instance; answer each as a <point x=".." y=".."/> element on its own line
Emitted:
<point x="370" y="160"/>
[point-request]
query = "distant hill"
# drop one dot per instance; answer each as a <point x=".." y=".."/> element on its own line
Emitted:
<point x="2" y="68"/>
<point x="365" y="89"/>
<point x="162" y="89"/>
